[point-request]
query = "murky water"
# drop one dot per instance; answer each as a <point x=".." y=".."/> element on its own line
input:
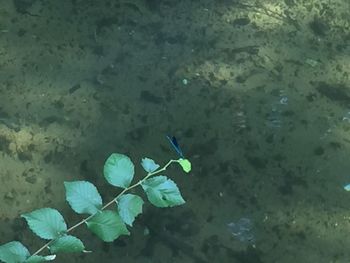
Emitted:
<point x="257" y="93"/>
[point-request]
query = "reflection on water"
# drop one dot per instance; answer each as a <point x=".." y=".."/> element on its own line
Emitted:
<point x="242" y="230"/>
<point x="274" y="117"/>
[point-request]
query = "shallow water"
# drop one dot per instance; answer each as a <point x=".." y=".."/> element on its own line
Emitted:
<point x="257" y="93"/>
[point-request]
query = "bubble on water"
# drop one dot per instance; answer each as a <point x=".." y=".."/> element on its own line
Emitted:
<point x="284" y="100"/>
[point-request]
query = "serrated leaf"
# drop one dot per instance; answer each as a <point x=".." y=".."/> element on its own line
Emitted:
<point x="119" y="170"/>
<point x="37" y="259"/>
<point x="162" y="192"/>
<point x="13" y="252"/>
<point x="83" y="197"/>
<point x="185" y="164"/>
<point x="67" y="244"/>
<point x="129" y="206"/>
<point x="107" y="225"/>
<point x="46" y="223"/>
<point x="149" y="165"/>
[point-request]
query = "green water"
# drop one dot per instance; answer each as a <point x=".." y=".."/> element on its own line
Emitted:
<point x="257" y="93"/>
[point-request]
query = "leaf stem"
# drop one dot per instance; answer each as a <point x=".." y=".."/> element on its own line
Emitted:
<point x="108" y="204"/>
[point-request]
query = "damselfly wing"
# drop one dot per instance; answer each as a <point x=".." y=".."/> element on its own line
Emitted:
<point x="175" y="145"/>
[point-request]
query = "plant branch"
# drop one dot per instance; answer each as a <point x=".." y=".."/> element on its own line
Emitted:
<point x="109" y="203"/>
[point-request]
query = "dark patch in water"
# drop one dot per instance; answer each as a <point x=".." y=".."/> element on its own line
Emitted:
<point x="149" y="97"/>
<point x="241" y="21"/>
<point x="335" y="145"/>
<point x="138" y="134"/>
<point x="106" y="22"/>
<point x="22" y="6"/>
<point x="212" y="246"/>
<point x="319" y="27"/>
<point x="336" y="92"/>
<point x="170" y="230"/>
<point x="256" y="162"/>
<point x="74" y="88"/>
<point x="4" y="144"/>
<point x="319" y="150"/>
<point x="290" y="181"/>
<point x="205" y="148"/>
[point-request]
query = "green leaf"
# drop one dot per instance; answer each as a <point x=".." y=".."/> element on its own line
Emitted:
<point x="162" y="192"/>
<point x="149" y="165"/>
<point x="13" y="252"/>
<point x="185" y="164"/>
<point x="129" y="206"/>
<point x="46" y="223"/>
<point x="119" y="170"/>
<point x="83" y="197"/>
<point x="67" y="244"/>
<point x="37" y="259"/>
<point x="107" y="225"/>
